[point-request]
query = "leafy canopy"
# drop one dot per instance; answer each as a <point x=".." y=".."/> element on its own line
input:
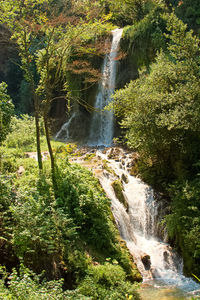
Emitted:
<point x="161" y="109"/>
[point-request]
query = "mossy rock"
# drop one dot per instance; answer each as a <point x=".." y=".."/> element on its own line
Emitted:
<point x="124" y="178"/>
<point x="118" y="189"/>
<point x="134" y="171"/>
<point x="107" y="168"/>
<point x="133" y="274"/>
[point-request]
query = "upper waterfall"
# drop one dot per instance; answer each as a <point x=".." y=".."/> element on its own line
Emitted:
<point x="102" y="124"/>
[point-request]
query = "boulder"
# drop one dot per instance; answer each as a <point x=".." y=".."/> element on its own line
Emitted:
<point x="115" y="153"/>
<point x="145" y="258"/>
<point x="124" y="178"/>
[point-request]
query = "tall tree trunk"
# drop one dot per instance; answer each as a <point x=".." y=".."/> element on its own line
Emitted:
<point x="37" y="125"/>
<point x="53" y="166"/>
<point x="30" y="77"/>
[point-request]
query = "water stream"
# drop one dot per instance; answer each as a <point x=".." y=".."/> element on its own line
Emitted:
<point x="64" y="133"/>
<point x="102" y="123"/>
<point x="159" y="265"/>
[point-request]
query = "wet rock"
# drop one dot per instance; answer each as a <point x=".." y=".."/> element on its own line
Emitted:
<point x="118" y="189"/>
<point x="133" y="170"/>
<point x="154" y="272"/>
<point x="106" y="174"/>
<point x="124" y="178"/>
<point x="146" y="261"/>
<point x="166" y="257"/>
<point x="115" y="153"/>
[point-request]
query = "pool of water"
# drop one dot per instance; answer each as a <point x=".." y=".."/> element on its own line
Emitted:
<point x="155" y="290"/>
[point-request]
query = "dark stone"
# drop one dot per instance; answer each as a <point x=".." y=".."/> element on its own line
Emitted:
<point x="146" y="261"/>
<point x="124" y="178"/>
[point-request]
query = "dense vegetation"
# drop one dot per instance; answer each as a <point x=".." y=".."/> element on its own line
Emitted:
<point x="160" y="114"/>
<point x="69" y="235"/>
<point x="54" y="217"/>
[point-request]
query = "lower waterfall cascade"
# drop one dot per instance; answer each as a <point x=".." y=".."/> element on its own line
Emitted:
<point x="138" y="225"/>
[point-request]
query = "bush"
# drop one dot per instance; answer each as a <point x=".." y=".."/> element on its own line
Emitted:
<point x="87" y="205"/>
<point x="22" y="135"/>
<point x="27" y="285"/>
<point x="107" y="282"/>
<point x="6" y="111"/>
<point x="184" y="223"/>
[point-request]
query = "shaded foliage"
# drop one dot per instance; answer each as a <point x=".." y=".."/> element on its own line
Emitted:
<point x="6" y="111"/>
<point x="184" y="222"/>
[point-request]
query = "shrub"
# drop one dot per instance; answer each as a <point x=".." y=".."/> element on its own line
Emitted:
<point x="184" y="222"/>
<point x="107" y="282"/>
<point x="22" y="135"/>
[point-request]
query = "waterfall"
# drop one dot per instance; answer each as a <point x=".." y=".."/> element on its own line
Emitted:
<point x="102" y="123"/>
<point x="138" y="226"/>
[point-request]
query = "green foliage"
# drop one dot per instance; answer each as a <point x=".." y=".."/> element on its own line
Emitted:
<point x="40" y="232"/>
<point x="22" y="134"/>
<point x="27" y="285"/>
<point x="161" y="109"/>
<point x="6" y="111"/>
<point x="7" y="197"/>
<point x="25" y="104"/>
<point x="127" y="12"/>
<point x="189" y="12"/>
<point x="143" y="39"/>
<point x="107" y="282"/>
<point x="161" y="113"/>
<point x="103" y="282"/>
<point x="184" y="222"/>
<point x="87" y="205"/>
<point x="54" y="232"/>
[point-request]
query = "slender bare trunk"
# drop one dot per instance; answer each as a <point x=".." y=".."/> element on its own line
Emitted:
<point x="37" y="125"/>
<point x="53" y="166"/>
<point x="30" y="76"/>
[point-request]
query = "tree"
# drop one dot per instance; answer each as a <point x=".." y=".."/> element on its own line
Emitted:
<point x="15" y="15"/>
<point x="189" y="12"/>
<point x="161" y="110"/>
<point x="48" y="43"/>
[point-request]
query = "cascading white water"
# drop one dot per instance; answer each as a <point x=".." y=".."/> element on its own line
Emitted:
<point x="101" y="128"/>
<point x="138" y="227"/>
<point x="63" y="133"/>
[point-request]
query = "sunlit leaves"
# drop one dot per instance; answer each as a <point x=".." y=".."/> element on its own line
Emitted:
<point x="166" y="99"/>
